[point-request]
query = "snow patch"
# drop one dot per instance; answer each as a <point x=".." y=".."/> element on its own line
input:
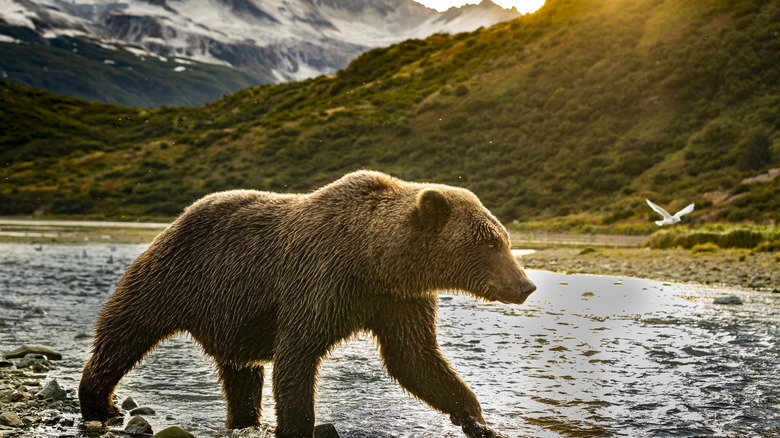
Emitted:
<point x="8" y="39"/>
<point x="51" y="34"/>
<point x="14" y="15"/>
<point x="180" y="68"/>
<point x="143" y="53"/>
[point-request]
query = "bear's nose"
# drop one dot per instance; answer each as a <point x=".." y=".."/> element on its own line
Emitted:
<point x="527" y="287"/>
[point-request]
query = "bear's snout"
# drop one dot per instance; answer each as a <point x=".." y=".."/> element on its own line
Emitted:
<point x="517" y="294"/>
<point x="526" y="289"/>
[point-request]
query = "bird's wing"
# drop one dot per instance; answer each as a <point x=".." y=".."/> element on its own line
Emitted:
<point x="685" y="210"/>
<point x="658" y="209"/>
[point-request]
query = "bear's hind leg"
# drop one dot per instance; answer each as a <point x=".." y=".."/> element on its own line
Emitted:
<point x="121" y="341"/>
<point x="96" y="390"/>
<point x="243" y="389"/>
<point x="103" y="372"/>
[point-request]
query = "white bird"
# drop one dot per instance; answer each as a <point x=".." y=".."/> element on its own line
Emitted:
<point x="668" y="218"/>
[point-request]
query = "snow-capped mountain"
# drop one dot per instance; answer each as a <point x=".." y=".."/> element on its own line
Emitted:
<point x="280" y="39"/>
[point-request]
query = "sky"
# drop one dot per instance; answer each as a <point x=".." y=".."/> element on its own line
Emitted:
<point x="522" y="6"/>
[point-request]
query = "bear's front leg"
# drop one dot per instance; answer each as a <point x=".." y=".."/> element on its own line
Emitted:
<point x="406" y="331"/>
<point x="243" y="389"/>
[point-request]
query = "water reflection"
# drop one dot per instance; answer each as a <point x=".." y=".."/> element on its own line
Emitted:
<point x="585" y="356"/>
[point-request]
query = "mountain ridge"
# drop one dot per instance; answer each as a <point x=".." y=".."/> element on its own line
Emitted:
<point x="269" y="42"/>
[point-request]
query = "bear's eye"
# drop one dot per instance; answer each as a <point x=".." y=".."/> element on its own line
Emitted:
<point x="493" y="244"/>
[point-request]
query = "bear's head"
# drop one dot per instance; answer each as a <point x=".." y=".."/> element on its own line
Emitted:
<point x="470" y="245"/>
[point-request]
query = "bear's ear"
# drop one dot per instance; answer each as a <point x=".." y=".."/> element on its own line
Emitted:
<point x="432" y="208"/>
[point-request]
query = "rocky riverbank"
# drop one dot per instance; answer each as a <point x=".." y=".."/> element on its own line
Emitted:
<point x="731" y="268"/>
<point x="32" y="405"/>
<point x="28" y="400"/>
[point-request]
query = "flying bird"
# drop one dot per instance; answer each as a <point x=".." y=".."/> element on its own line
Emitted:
<point x="668" y="218"/>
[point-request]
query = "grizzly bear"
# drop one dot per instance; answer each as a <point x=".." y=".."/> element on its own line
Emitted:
<point x="256" y="277"/>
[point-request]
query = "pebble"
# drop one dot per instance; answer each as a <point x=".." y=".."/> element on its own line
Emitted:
<point x="731" y="300"/>
<point x="92" y="425"/>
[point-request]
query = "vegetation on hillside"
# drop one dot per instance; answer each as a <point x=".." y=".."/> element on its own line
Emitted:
<point x="572" y="115"/>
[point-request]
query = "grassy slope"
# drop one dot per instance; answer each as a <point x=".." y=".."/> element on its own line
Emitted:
<point x="572" y="114"/>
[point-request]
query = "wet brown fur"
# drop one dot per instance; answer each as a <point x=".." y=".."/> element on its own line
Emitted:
<point x="256" y="276"/>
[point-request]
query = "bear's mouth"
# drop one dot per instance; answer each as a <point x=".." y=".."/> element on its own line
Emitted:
<point x="519" y="300"/>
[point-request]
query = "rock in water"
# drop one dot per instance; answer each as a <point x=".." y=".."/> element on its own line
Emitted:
<point x="173" y="432"/>
<point x="10" y="419"/>
<point x="92" y="425"/>
<point x="26" y="349"/>
<point x="142" y="411"/>
<point x="138" y="425"/>
<point x="727" y="300"/>
<point x="129" y="403"/>
<point x="52" y="390"/>
<point x="325" y="431"/>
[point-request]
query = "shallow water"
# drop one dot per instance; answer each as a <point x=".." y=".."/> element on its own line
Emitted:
<point x="584" y="356"/>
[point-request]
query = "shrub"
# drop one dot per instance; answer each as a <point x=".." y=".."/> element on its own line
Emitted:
<point x="735" y="238"/>
<point x="461" y="90"/>
<point x="704" y="248"/>
<point x="754" y="152"/>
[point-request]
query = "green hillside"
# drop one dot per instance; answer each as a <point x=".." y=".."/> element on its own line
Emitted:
<point x="573" y="114"/>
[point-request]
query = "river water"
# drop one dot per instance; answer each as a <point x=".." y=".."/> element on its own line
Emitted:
<point x="584" y="356"/>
